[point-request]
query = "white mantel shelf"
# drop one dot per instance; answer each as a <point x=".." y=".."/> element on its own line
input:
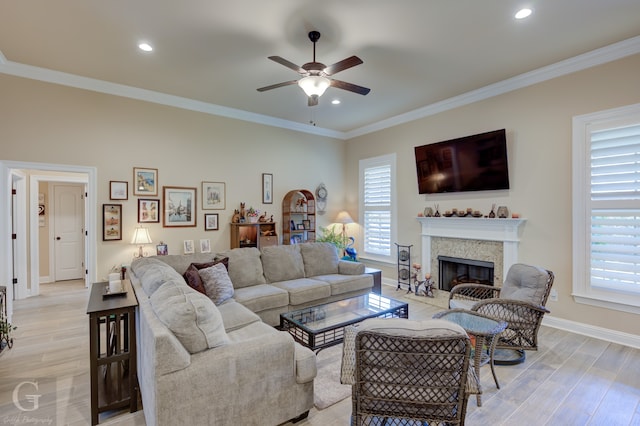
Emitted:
<point x="472" y="228"/>
<point x="507" y="231"/>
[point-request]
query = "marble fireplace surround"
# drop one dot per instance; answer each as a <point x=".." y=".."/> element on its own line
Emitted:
<point x="492" y="240"/>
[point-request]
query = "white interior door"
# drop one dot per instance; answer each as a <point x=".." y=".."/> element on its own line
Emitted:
<point x="68" y="231"/>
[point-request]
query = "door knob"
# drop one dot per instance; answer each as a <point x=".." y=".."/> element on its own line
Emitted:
<point x="58" y="238"/>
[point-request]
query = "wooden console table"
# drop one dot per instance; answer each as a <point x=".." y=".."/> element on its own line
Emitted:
<point x="112" y="341"/>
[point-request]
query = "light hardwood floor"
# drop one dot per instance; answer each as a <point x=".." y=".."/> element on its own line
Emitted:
<point x="571" y="380"/>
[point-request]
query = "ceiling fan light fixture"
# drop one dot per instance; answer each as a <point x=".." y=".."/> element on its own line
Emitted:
<point x="314" y="84"/>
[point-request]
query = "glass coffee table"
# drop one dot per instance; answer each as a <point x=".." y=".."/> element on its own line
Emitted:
<point x="485" y="332"/>
<point x="321" y="326"/>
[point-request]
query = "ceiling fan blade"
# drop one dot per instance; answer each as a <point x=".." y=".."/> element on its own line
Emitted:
<point x="350" y="87"/>
<point x="313" y="100"/>
<point x="275" y="86"/>
<point x="342" y="65"/>
<point x="287" y="64"/>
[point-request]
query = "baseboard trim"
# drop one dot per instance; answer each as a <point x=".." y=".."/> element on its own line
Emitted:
<point x="613" y="336"/>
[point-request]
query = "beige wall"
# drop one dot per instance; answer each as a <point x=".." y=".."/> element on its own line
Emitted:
<point x="47" y="123"/>
<point x="538" y="124"/>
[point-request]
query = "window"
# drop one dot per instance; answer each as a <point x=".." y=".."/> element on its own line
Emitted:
<point x="606" y="206"/>
<point x="377" y="206"/>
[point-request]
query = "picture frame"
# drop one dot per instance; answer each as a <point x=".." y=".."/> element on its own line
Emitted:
<point x="296" y="239"/>
<point x="205" y="246"/>
<point x="111" y="222"/>
<point x="300" y="227"/>
<point x="188" y="247"/>
<point x="214" y="195"/>
<point x="118" y="190"/>
<point x="145" y="181"/>
<point x="211" y="222"/>
<point x="179" y="208"/>
<point x="148" y="210"/>
<point x="162" y="249"/>
<point x="267" y="188"/>
<point x="306" y="224"/>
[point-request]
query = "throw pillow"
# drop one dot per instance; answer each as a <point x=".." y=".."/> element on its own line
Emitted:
<point x="191" y="316"/>
<point x="192" y="277"/>
<point x="217" y="284"/>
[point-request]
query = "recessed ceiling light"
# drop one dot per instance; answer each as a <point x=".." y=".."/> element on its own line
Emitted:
<point x="336" y="101"/>
<point x="145" y="46"/>
<point x="523" y="13"/>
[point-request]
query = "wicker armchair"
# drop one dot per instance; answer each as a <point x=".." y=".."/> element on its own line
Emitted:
<point x="417" y="374"/>
<point x="520" y="302"/>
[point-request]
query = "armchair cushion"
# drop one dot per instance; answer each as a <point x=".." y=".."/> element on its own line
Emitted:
<point x="525" y="283"/>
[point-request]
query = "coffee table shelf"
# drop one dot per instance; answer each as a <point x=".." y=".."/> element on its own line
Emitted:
<point x="319" y="327"/>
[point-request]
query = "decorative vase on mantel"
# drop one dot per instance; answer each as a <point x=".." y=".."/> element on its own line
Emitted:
<point x="503" y="212"/>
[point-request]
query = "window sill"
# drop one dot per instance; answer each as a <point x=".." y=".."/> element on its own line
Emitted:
<point x="609" y="302"/>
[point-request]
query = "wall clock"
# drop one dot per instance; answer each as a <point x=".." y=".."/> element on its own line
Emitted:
<point x="321" y="198"/>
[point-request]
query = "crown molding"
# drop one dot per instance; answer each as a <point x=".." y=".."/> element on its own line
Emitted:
<point x="577" y="63"/>
<point x="587" y="60"/>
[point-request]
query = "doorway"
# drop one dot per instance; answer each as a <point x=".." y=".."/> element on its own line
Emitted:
<point x="36" y="173"/>
<point x="67" y="232"/>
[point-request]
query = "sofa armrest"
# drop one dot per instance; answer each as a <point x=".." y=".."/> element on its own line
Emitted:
<point x="348" y="267"/>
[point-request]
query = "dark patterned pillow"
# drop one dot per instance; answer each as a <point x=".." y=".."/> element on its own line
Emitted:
<point x="192" y="277"/>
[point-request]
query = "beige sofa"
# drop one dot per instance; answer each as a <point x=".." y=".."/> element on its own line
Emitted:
<point x="202" y="364"/>
<point x="284" y="278"/>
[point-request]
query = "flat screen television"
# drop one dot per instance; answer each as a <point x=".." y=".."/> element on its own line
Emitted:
<point x="472" y="163"/>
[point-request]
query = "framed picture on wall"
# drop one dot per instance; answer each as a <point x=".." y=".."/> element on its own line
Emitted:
<point x="211" y="221"/>
<point x="188" y="247"/>
<point x="148" y="210"/>
<point x="118" y="190"/>
<point x="145" y="181"/>
<point x="179" y="208"/>
<point x="267" y="188"/>
<point x="213" y="195"/>
<point x="205" y="246"/>
<point x="111" y="222"/>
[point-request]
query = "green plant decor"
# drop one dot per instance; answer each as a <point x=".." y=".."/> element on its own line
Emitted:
<point x="329" y="235"/>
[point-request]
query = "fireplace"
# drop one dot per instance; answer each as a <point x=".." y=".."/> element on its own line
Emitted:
<point x="456" y="270"/>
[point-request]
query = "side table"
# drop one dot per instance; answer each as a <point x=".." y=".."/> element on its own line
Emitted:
<point x="485" y="330"/>
<point x="112" y="343"/>
<point x="377" y="279"/>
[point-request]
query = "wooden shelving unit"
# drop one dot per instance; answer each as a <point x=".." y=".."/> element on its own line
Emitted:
<point x="259" y="234"/>
<point x="298" y="217"/>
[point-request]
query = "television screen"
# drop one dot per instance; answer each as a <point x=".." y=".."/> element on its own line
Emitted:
<point x="471" y="163"/>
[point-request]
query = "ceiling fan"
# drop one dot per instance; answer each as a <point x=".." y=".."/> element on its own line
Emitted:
<point x="315" y="75"/>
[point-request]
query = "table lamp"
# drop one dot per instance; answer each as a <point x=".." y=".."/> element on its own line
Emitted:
<point x="140" y="237"/>
<point x="344" y="218"/>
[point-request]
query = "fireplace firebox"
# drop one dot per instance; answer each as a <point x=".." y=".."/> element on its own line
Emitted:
<point x="456" y="270"/>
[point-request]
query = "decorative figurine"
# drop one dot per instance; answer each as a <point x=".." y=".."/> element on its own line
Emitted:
<point x="236" y="216"/>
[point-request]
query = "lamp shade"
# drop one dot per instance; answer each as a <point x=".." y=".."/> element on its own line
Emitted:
<point x="314" y="85"/>
<point x="343" y="217"/>
<point x="141" y="236"/>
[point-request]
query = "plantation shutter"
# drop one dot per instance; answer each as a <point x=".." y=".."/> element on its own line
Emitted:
<point x="615" y="208"/>
<point x="377" y="209"/>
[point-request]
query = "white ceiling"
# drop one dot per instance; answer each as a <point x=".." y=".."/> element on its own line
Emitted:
<point x="416" y="53"/>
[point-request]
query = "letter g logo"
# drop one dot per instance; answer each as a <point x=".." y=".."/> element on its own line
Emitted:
<point x="30" y="398"/>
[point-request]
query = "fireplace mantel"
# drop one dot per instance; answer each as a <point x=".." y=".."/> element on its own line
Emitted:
<point x="507" y="231"/>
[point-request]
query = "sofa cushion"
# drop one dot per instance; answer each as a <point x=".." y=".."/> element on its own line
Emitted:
<point x="319" y="258"/>
<point x="341" y="284"/>
<point x="180" y="262"/>
<point x="153" y="273"/>
<point x="305" y="290"/>
<point x="235" y="315"/>
<point x="281" y="263"/>
<point x="262" y="297"/>
<point x="245" y="267"/>
<point x="217" y="284"/>
<point x="191" y="316"/>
